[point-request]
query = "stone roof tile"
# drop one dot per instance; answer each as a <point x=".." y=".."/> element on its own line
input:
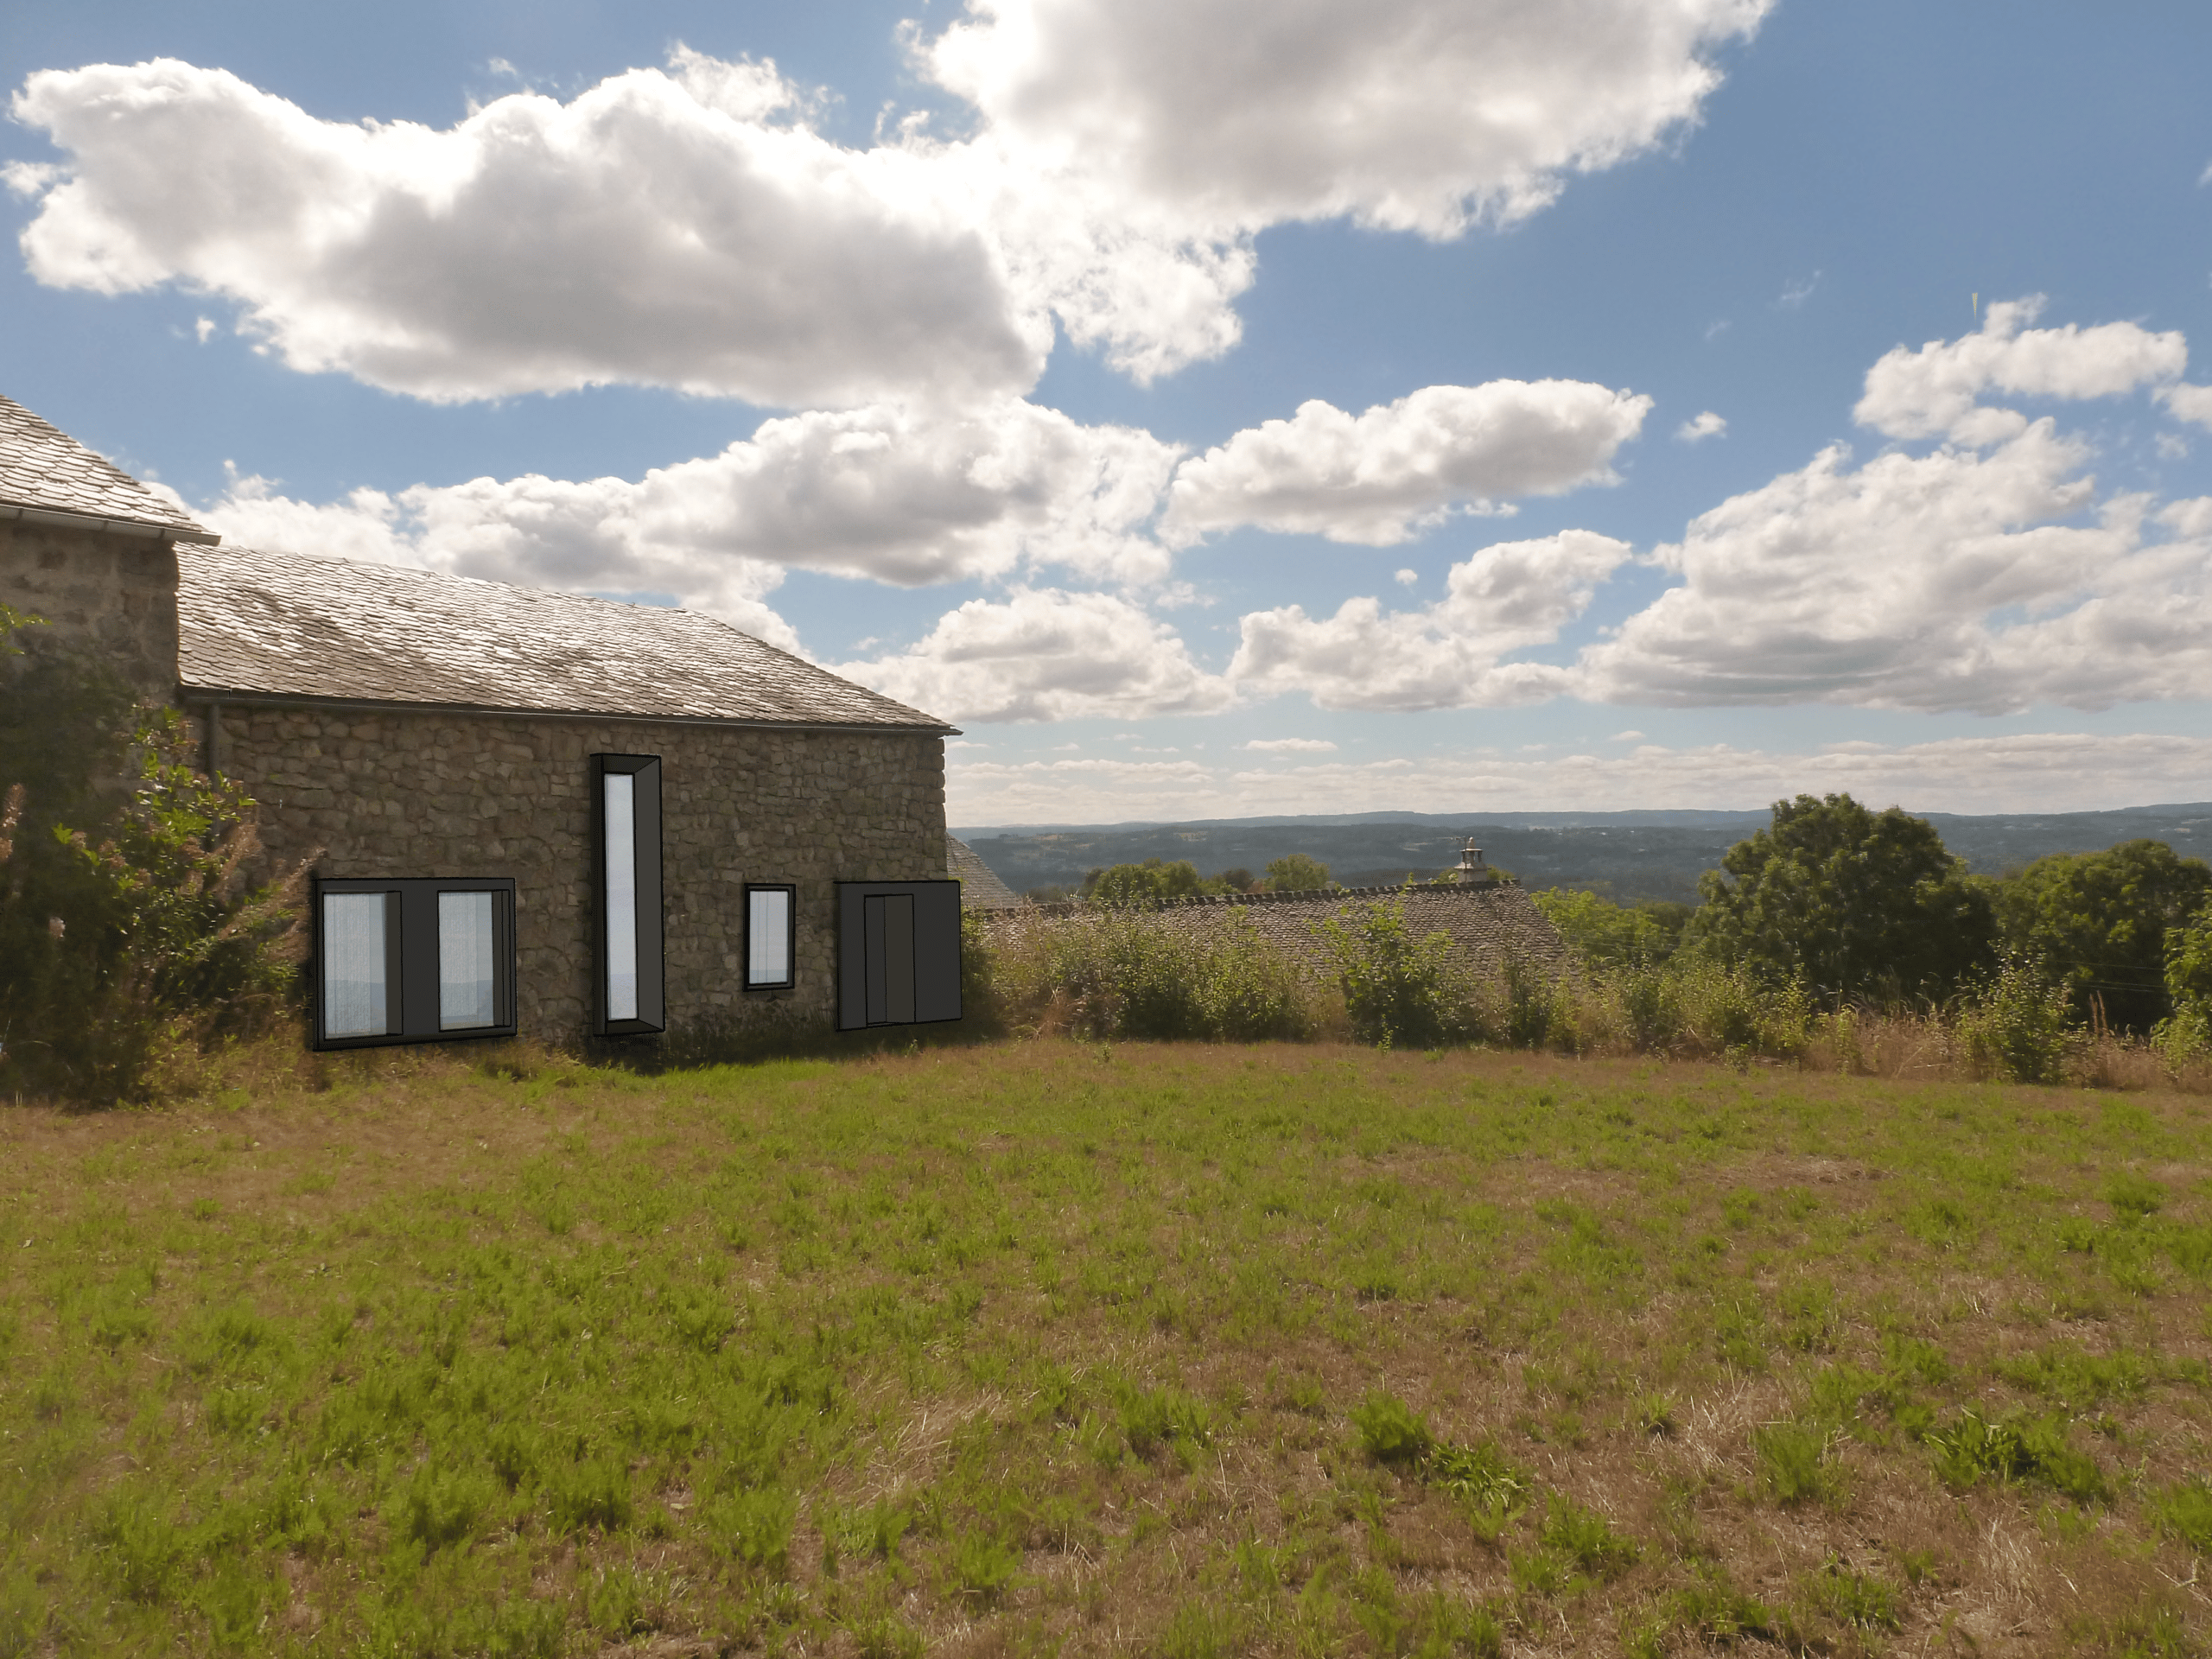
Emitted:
<point x="291" y="625"/>
<point x="980" y="886"/>
<point x="43" y="468"/>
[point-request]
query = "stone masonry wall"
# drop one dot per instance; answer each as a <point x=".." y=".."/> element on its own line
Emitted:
<point x="110" y="596"/>
<point x="402" y="793"/>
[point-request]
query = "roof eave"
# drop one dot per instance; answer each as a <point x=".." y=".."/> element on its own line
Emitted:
<point x="171" y="532"/>
<point x="191" y="691"/>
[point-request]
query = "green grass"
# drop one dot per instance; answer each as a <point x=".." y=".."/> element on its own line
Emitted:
<point x="1051" y="1347"/>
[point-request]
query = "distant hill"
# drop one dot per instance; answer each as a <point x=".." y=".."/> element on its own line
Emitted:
<point x="1628" y="856"/>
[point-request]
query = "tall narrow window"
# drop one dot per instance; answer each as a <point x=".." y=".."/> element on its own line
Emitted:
<point x="414" y="959"/>
<point x="358" y="994"/>
<point x="770" y="924"/>
<point x="621" y="808"/>
<point x="631" y="989"/>
<point x="898" y="953"/>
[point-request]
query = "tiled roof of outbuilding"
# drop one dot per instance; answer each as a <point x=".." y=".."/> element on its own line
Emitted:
<point x="1489" y="923"/>
<point x="46" y="470"/>
<point x="287" y="625"/>
<point x="980" y="886"/>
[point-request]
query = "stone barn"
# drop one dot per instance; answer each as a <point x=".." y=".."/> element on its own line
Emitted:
<point x="524" y="812"/>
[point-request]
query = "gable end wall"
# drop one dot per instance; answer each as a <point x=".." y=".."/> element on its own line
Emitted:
<point x="402" y="793"/>
<point x="109" y="597"/>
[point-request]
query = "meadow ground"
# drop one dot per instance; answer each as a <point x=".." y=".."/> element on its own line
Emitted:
<point x="1046" y="1347"/>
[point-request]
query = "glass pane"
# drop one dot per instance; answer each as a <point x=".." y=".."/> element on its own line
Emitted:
<point x="767" y="932"/>
<point x="465" y="961"/>
<point x="353" y="989"/>
<point x="621" y="896"/>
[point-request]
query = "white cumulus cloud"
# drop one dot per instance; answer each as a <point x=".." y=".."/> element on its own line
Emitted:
<point x="1959" y="580"/>
<point x="2192" y="403"/>
<point x="1411" y="115"/>
<point x="1699" y="427"/>
<point x="879" y="492"/>
<point x="1381" y="477"/>
<point x="668" y="228"/>
<point x="684" y="227"/>
<point x="1290" y="745"/>
<point x="1932" y="391"/>
<point x="1045" y="654"/>
<point x="1506" y="598"/>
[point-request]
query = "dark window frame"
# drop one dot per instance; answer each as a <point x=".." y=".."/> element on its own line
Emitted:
<point x="790" y="981"/>
<point x="651" y="932"/>
<point x="411" y="980"/>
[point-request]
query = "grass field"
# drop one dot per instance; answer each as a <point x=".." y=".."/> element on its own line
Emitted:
<point x="1052" y="1348"/>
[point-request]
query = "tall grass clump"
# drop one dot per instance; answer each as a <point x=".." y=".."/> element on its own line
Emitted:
<point x="1116" y="973"/>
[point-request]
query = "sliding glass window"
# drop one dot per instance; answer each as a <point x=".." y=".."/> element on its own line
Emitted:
<point x="413" y="960"/>
<point x="631" y="982"/>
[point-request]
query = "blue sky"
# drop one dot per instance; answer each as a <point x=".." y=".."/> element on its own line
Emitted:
<point x="946" y="349"/>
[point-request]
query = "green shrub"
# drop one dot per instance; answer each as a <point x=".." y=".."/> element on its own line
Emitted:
<point x="1400" y="992"/>
<point x="130" y="934"/>
<point x="2015" y="1025"/>
<point x="1117" y="974"/>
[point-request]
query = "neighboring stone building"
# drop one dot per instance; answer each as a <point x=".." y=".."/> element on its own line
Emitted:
<point x="91" y="550"/>
<point x="1489" y="921"/>
<point x="980" y="886"/>
<point x="525" y="811"/>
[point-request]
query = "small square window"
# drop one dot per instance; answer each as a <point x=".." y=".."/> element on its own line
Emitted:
<point x="413" y="960"/>
<point x="771" y="937"/>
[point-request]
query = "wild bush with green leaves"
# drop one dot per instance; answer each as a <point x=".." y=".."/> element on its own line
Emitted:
<point x="1400" y="991"/>
<point x="1118" y="974"/>
<point x="130" y="932"/>
<point x="2015" y="1025"/>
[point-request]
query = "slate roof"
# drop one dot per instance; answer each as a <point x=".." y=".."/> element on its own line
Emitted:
<point x="980" y="886"/>
<point x="288" y="625"/>
<point x="45" y="471"/>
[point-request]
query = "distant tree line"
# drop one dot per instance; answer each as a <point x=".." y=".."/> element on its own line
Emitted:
<point x="1869" y="908"/>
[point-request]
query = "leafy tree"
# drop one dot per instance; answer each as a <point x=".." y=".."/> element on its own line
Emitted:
<point x="1296" y="873"/>
<point x="1848" y="902"/>
<point x="1238" y="879"/>
<point x="2100" y="922"/>
<point x="1614" y="936"/>
<point x="1148" y="883"/>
